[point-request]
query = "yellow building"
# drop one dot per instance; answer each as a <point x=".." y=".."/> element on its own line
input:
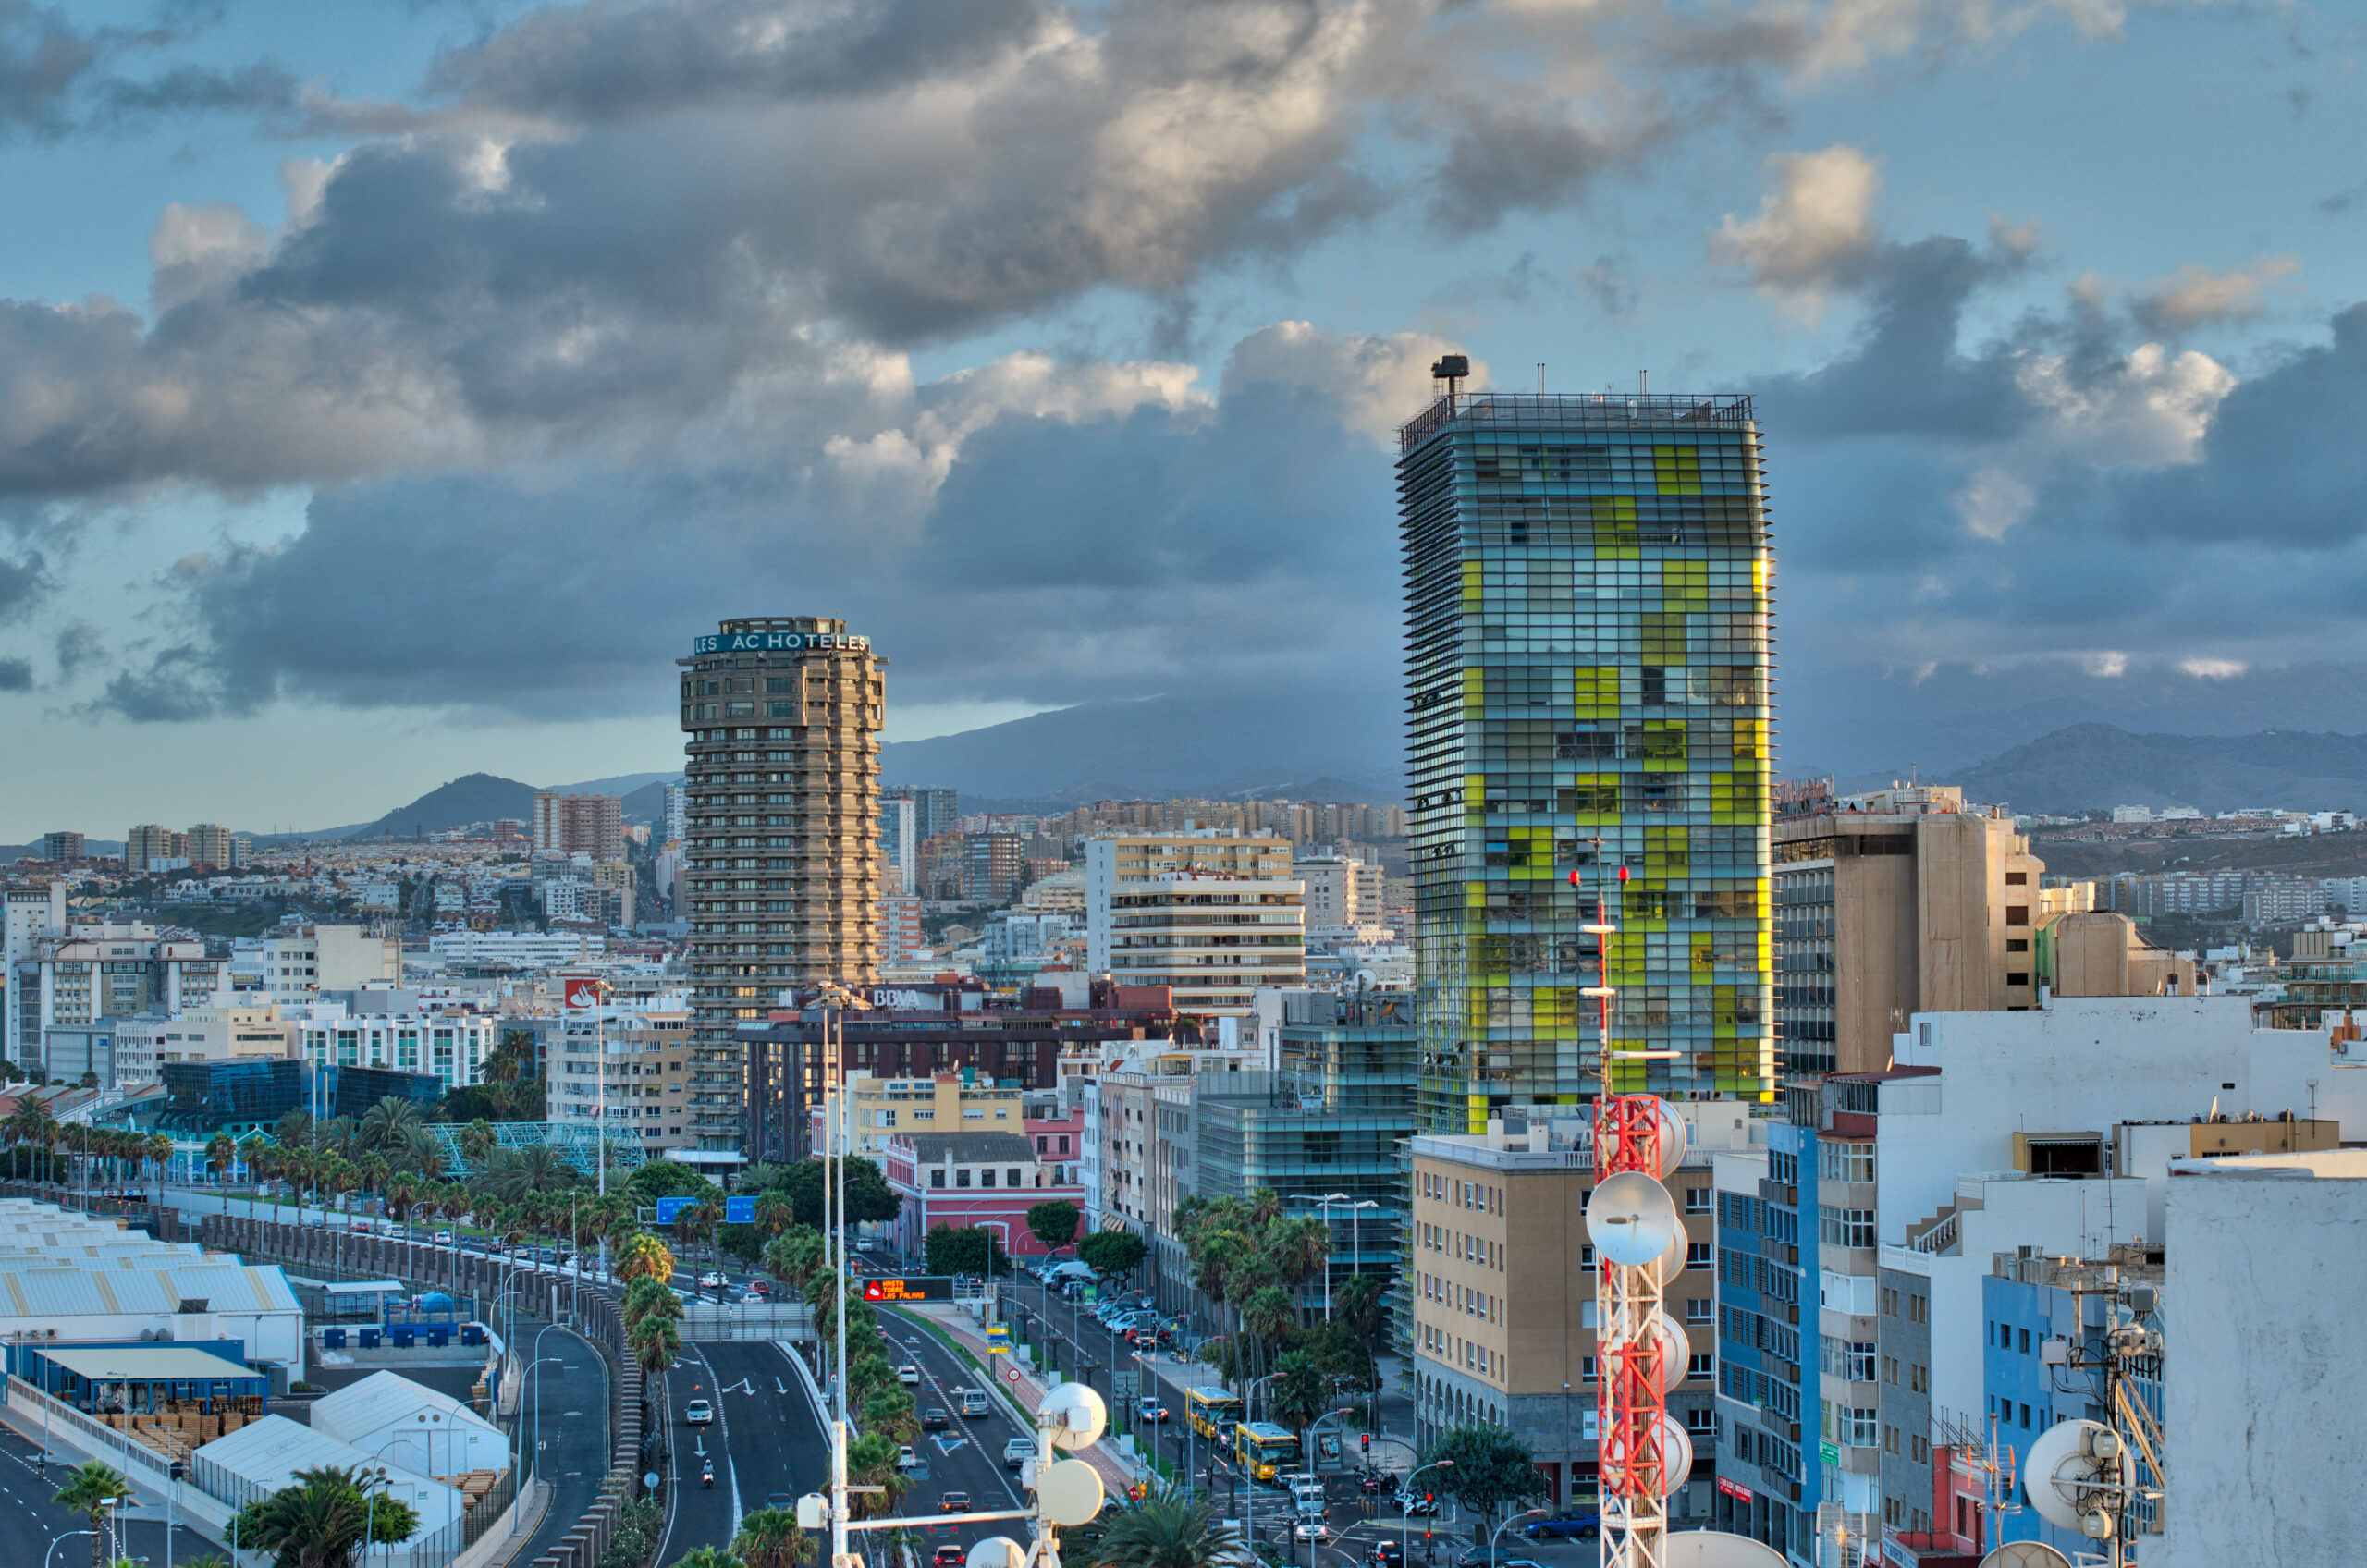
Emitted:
<point x="947" y="1102"/>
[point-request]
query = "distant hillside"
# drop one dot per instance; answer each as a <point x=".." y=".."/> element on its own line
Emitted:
<point x="1162" y="747"/>
<point x="474" y="797"/>
<point x="2095" y="767"/>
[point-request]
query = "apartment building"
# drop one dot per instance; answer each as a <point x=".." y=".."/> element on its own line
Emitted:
<point x="448" y="1045"/>
<point x="1502" y="1288"/>
<point x="1211" y="939"/>
<point x="1897" y="902"/>
<point x="152" y="845"/>
<point x="299" y="963"/>
<point x="782" y="878"/>
<point x="944" y="1102"/>
<point x="675" y="1095"/>
<point x="1341" y="893"/>
<point x="566" y="825"/>
<point x="28" y="915"/>
<point x="1118" y="859"/>
<point x="61" y="846"/>
<point x="110" y="970"/>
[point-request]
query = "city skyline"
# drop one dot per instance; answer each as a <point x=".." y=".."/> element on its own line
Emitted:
<point x="378" y="388"/>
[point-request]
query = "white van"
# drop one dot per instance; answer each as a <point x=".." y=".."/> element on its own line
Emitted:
<point x="972" y="1401"/>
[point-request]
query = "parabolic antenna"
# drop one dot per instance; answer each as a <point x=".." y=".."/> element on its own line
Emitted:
<point x="1675" y="1350"/>
<point x="1673" y="1139"/>
<point x="1672" y="1262"/>
<point x="1677" y="1454"/>
<point x="1083" y="1417"/>
<point x="2026" y="1554"/>
<point x="1631" y="1219"/>
<point x="996" y="1551"/>
<point x="1068" y="1491"/>
<point x="1715" y="1548"/>
<point x="2072" y="1457"/>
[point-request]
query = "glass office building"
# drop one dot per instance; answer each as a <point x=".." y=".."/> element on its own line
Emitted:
<point x="1587" y="583"/>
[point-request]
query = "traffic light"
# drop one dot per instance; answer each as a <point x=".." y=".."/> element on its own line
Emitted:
<point x="1367" y="1440"/>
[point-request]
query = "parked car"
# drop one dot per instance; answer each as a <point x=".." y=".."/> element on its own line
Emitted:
<point x="697" y="1413"/>
<point x="1415" y="1505"/>
<point x="1565" y="1526"/>
<point x="909" y="1373"/>
<point x="953" y="1502"/>
<point x="933" y="1420"/>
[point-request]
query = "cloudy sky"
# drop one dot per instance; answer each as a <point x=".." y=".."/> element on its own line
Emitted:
<point x="389" y="391"/>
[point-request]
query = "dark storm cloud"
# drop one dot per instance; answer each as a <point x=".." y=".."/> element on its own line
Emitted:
<point x="1059" y="562"/>
<point x="22" y="581"/>
<point x="16" y="675"/>
<point x="600" y="64"/>
<point x="43" y="56"/>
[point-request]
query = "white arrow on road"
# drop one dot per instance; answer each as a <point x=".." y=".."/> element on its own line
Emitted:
<point x="780" y="1387"/>
<point x="744" y="1386"/>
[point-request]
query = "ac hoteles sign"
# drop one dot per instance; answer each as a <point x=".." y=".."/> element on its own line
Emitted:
<point x="776" y="642"/>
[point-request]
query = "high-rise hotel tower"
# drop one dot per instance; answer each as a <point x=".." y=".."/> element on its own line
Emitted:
<point x="1586" y="585"/>
<point x="782" y="862"/>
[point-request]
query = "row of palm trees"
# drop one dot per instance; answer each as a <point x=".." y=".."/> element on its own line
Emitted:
<point x="1254" y="1259"/>
<point x="106" y="1153"/>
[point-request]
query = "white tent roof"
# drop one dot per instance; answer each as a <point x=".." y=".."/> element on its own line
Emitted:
<point x="387" y="1399"/>
<point x="263" y="1457"/>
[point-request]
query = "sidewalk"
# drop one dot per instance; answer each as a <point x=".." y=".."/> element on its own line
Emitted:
<point x="1028" y="1388"/>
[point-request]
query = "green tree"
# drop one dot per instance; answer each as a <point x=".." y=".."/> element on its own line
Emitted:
<point x="670" y="1179"/>
<point x="91" y="1492"/>
<point x="1114" y="1252"/>
<point x="973" y="1250"/>
<point x="869" y="1198"/>
<point x="317" y="1522"/>
<point x="1299" y="1391"/>
<point x="1490" y="1469"/>
<point x="871" y="1462"/>
<point x="1357" y="1304"/>
<point x="1174" y="1527"/>
<point x="707" y="1557"/>
<point x="769" y="1538"/>
<point x="1053" y="1223"/>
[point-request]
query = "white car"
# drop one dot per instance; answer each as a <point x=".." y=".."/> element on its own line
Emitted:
<point x="1311" y="1530"/>
<point x="909" y="1373"/>
<point x="443" y="1238"/>
<point x="905" y="1458"/>
<point x="697" y="1413"/>
<point x="712" y="1281"/>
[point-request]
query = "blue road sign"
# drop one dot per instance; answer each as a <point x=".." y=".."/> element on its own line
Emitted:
<point x="669" y="1207"/>
<point x="740" y="1211"/>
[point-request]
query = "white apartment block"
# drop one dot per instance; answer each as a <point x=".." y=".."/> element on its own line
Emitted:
<point x="1112" y="862"/>
<point x="1212" y="939"/>
<point x="528" y="949"/>
<point x="452" y="1046"/>
<point x="299" y="964"/>
<point x="900" y="842"/>
<point x="95" y="972"/>
<point x="32" y="914"/>
<point x="1339" y="892"/>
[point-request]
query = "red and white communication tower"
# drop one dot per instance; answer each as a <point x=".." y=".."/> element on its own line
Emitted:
<point x="1639" y="1246"/>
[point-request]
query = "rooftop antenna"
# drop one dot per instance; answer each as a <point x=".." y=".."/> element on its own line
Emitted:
<point x="1540" y="378"/>
<point x="1453" y="369"/>
<point x="1643" y="382"/>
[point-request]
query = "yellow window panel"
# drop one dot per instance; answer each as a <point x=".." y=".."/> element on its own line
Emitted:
<point x="1595" y="691"/>
<point x="1705" y="956"/>
<point x="1661" y="740"/>
<point x="1668" y="851"/>
<point x="1532" y="853"/>
<point x="1474" y="590"/>
<point x="1614" y="528"/>
<point x="1663" y="637"/>
<point x="1677" y="470"/>
<point x="1685" y="584"/>
<point x="1591" y="798"/>
<point x="1475" y="689"/>
<point x="1750" y="740"/>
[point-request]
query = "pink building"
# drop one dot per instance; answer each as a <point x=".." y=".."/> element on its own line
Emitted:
<point x="969" y="1178"/>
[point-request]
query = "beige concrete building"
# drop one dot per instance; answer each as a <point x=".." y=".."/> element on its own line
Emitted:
<point x="946" y="1102"/>
<point x="566" y="825"/>
<point x="2100" y="954"/>
<point x="298" y="964"/>
<point x="1887" y="905"/>
<point x="143" y="1045"/>
<point x="782" y="869"/>
<point x="1503" y="1290"/>
<point x="1116" y="860"/>
<point x="1211" y="939"/>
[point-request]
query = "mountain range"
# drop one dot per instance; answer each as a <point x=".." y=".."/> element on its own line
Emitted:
<point x="2097" y="766"/>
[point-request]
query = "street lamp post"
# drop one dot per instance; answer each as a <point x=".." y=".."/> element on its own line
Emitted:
<point x="1406" y="1521"/>
<point x="57" y="1541"/>
<point x="1356" y="1238"/>
<point x="836" y="999"/>
<point x="1498" y="1532"/>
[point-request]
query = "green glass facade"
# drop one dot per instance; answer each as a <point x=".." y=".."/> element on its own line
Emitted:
<point x="1587" y="587"/>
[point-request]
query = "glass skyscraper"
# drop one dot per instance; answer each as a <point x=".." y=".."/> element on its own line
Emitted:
<point x="1586" y="586"/>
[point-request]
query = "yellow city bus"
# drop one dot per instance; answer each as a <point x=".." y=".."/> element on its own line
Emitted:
<point x="1212" y="1412"/>
<point x="1263" y="1449"/>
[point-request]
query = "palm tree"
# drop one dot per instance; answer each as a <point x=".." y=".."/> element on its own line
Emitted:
<point x="644" y="1256"/>
<point x="656" y="1341"/>
<point x="318" y="1520"/>
<point x="219" y="1152"/>
<point x="1173" y="1527"/>
<point x="1299" y="1393"/>
<point x="476" y="1142"/>
<point x="871" y="1462"/>
<point x="645" y="1295"/>
<point x="769" y="1538"/>
<point x="388" y="1120"/>
<point x="160" y="1153"/>
<point x="1300" y="1248"/>
<point x="707" y="1557"/>
<point x="96" y="1488"/>
<point x="422" y="1151"/>
<point x="775" y="1214"/>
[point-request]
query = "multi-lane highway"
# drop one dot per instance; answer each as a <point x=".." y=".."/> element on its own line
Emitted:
<point x="769" y="1448"/>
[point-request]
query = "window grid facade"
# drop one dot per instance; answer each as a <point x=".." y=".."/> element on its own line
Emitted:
<point x="1587" y="593"/>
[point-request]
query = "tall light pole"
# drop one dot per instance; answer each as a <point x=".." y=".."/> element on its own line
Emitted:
<point x="836" y="999"/>
<point x="1355" y="1235"/>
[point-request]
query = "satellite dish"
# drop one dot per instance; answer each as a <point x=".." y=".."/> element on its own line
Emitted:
<point x="1675" y="1350"/>
<point x="1068" y="1491"/>
<point x="1677" y="1454"/>
<point x="1081" y="1418"/>
<point x="2073" y="1458"/>
<point x="1673" y="1140"/>
<point x="1672" y="1261"/>
<point x="996" y="1551"/>
<point x="1716" y="1548"/>
<point x="1631" y="1219"/>
<point x="2026" y="1554"/>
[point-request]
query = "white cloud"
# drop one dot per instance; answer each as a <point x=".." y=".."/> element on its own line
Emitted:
<point x="2213" y="669"/>
<point x="1377" y="381"/>
<point x="1815" y="232"/>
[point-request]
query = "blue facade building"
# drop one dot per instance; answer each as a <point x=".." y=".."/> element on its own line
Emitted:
<point x="1767" y="1488"/>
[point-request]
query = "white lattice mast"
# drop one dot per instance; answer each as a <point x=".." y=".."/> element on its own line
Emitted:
<point x="1632" y="1349"/>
